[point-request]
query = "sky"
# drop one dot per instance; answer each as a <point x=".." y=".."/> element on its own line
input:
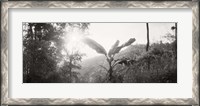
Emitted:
<point x="107" y="34"/>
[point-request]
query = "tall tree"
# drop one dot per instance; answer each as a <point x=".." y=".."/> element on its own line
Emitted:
<point x="175" y="41"/>
<point x="73" y="57"/>
<point x="176" y="31"/>
<point x="39" y="57"/>
<point x="147" y="47"/>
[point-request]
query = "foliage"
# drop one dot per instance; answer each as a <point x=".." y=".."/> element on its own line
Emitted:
<point x="170" y="38"/>
<point x="94" y="45"/>
<point x="47" y="60"/>
<point x="163" y="66"/>
<point x="113" y="49"/>
<point x="116" y="49"/>
<point x="110" y="56"/>
<point x="43" y="44"/>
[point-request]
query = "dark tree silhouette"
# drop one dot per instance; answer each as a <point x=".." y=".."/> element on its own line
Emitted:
<point x="147" y="47"/>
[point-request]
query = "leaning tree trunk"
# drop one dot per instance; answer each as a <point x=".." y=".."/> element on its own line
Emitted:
<point x="147" y="47"/>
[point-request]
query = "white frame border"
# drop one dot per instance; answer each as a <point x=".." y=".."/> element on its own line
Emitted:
<point x="99" y="4"/>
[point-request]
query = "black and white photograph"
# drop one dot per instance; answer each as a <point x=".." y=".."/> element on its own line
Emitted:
<point x="99" y="52"/>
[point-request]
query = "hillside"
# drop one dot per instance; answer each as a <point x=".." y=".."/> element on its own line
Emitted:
<point x="92" y="66"/>
<point x="157" y="65"/>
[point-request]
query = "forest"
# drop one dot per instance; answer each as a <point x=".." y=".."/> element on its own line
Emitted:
<point x="51" y="54"/>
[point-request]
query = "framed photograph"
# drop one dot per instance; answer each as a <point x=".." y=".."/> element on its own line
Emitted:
<point x="100" y="52"/>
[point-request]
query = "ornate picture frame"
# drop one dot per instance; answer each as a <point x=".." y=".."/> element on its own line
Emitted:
<point x="6" y="5"/>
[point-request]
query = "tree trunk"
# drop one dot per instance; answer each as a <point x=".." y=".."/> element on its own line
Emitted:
<point x="147" y="47"/>
<point x="110" y="72"/>
<point x="35" y="32"/>
<point x="32" y="67"/>
<point x="176" y="31"/>
<point x="30" y="31"/>
<point x="176" y="38"/>
<point x="70" y="71"/>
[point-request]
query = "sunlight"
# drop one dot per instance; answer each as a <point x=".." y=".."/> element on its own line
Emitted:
<point x="102" y="34"/>
<point x="73" y="44"/>
<point x="73" y="41"/>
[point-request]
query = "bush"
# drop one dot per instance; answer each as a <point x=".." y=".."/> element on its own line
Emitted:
<point x="158" y="65"/>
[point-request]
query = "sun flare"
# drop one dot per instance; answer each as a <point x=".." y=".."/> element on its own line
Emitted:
<point x="73" y="41"/>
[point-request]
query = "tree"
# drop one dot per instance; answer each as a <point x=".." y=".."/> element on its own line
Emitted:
<point x="175" y="28"/>
<point x="73" y="57"/>
<point x="71" y="61"/>
<point x="110" y="55"/>
<point x="38" y="55"/>
<point x="43" y="44"/>
<point x="147" y="47"/>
